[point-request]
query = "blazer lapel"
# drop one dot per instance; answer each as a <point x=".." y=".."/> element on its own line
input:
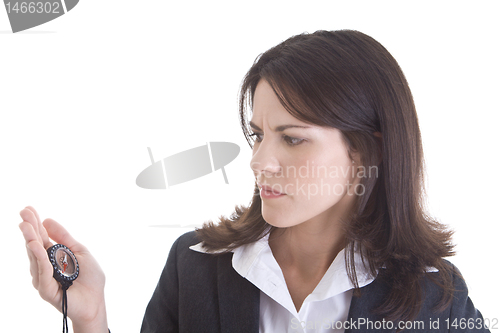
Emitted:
<point x="239" y="299"/>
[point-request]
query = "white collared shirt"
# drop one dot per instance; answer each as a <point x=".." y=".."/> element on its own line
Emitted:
<point x="322" y="311"/>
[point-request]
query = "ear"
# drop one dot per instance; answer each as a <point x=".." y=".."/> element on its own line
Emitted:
<point x="355" y="156"/>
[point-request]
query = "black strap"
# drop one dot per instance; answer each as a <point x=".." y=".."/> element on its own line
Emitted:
<point x="65" y="311"/>
<point x="65" y="287"/>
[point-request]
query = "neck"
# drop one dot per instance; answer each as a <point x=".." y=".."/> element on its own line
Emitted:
<point x="308" y="248"/>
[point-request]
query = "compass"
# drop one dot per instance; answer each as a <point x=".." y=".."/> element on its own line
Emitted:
<point x="65" y="265"/>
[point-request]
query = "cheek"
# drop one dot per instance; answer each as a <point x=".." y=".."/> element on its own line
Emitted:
<point x="316" y="186"/>
<point x="329" y="176"/>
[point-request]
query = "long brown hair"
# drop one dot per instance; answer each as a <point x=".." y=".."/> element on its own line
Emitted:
<point x="347" y="80"/>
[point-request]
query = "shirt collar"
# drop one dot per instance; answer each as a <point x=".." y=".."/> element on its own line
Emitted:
<point x="256" y="263"/>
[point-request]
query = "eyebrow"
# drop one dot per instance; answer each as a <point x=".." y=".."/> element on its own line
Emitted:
<point x="278" y="128"/>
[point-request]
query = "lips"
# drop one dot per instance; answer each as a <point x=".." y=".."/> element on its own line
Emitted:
<point x="269" y="189"/>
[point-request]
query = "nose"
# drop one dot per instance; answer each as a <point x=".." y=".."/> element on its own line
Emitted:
<point x="264" y="162"/>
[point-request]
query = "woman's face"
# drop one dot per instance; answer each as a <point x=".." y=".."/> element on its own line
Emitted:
<point x="308" y="164"/>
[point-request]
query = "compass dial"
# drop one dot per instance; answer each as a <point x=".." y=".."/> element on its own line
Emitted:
<point x="64" y="263"/>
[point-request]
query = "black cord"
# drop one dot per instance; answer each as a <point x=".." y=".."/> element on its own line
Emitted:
<point x="65" y="306"/>
<point x="64" y="309"/>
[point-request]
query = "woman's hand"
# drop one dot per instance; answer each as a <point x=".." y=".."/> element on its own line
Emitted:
<point x="86" y="307"/>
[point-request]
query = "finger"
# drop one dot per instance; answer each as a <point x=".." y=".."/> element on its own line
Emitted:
<point x="30" y="236"/>
<point x="41" y="229"/>
<point x="28" y="216"/>
<point x="47" y="286"/>
<point x="60" y="235"/>
<point x="28" y="231"/>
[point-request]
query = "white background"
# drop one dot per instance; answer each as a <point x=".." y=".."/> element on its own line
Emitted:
<point x="83" y="96"/>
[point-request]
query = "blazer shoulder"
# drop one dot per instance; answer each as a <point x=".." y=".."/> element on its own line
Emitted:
<point x="180" y="248"/>
<point x="193" y="259"/>
<point x="187" y="239"/>
<point x="461" y="309"/>
<point x="456" y="276"/>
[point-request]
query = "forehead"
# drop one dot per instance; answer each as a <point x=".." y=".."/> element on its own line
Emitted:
<point x="267" y="106"/>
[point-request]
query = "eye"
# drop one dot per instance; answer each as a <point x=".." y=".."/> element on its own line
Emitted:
<point x="257" y="137"/>
<point x="292" y="141"/>
<point x="288" y="139"/>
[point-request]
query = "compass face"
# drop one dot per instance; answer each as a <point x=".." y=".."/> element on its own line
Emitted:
<point x="65" y="262"/>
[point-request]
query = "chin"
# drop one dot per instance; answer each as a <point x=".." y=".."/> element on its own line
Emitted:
<point x="278" y="220"/>
<point x="279" y="225"/>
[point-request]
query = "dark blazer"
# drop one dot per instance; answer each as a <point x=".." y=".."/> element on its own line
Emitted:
<point x="199" y="292"/>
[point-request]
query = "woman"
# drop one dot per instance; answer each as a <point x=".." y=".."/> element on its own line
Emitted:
<point x="335" y="238"/>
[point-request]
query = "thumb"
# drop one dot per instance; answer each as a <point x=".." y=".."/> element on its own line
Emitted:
<point x="60" y="235"/>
